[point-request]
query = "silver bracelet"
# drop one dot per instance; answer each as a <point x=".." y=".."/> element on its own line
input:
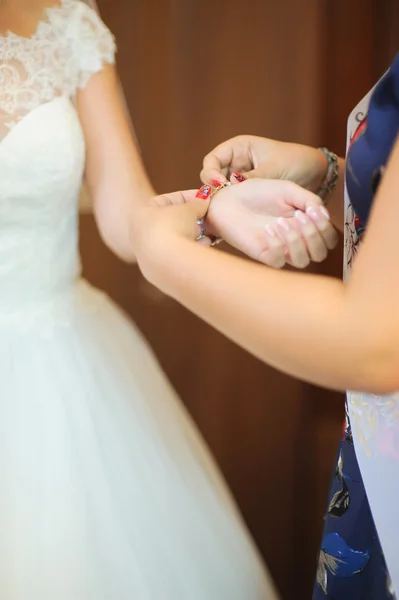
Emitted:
<point x="332" y="175"/>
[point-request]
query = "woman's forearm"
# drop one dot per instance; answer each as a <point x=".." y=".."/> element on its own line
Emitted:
<point x="255" y="307"/>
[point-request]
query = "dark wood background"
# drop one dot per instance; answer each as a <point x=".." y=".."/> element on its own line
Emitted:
<point x="196" y="73"/>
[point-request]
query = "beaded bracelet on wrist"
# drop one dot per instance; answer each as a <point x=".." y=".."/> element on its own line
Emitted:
<point x="332" y="175"/>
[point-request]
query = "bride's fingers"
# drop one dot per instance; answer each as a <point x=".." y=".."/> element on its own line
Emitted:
<point x="202" y="238"/>
<point x="175" y="198"/>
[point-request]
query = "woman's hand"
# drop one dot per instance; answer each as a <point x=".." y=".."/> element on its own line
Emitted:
<point x="257" y="157"/>
<point x="161" y="223"/>
<point x="274" y="222"/>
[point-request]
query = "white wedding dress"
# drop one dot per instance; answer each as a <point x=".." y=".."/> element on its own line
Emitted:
<point x="107" y="490"/>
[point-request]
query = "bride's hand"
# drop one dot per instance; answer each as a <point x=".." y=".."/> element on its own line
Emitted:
<point x="273" y="221"/>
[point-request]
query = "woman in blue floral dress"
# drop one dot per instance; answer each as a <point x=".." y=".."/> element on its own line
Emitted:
<point x="351" y="562"/>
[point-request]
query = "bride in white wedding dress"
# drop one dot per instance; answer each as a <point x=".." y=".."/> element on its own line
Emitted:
<point x="107" y="490"/>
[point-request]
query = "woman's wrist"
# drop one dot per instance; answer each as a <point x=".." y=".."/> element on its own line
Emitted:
<point x="331" y="177"/>
<point x="156" y="257"/>
<point x="210" y="225"/>
<point x="319" y="168"/>
<point x="329" y="174"/>
<point x="335" y="205"/>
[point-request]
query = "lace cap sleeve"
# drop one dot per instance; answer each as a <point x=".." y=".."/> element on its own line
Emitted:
<point x="93" y="44"/>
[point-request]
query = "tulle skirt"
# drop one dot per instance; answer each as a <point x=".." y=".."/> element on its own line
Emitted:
<point x="107" y="490"/>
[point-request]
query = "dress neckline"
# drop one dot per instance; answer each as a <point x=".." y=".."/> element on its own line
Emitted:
<point x="42" y="25"/>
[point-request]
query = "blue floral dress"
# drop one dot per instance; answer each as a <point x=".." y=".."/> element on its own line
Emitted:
<point x="351" y="562"/>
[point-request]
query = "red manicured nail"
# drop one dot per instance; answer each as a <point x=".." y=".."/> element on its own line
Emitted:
<point x="216" y="183"/>
<point x="240" y="178"/>
<point x="204" y="192"/>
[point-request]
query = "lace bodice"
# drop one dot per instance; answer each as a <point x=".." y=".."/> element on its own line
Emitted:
<point x="42" y="151"/>
<point x="69" y="45"/>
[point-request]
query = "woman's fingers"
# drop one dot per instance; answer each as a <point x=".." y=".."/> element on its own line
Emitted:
<point x="216" y="165"/>
<point x="294" y="243"/>
<point x="273" y="254"/>
<point x="321" y="219"/>
<point x="313" y="240"/>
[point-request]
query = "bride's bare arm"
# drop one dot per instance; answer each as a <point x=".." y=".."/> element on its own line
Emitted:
<point x="115" y="172"/>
